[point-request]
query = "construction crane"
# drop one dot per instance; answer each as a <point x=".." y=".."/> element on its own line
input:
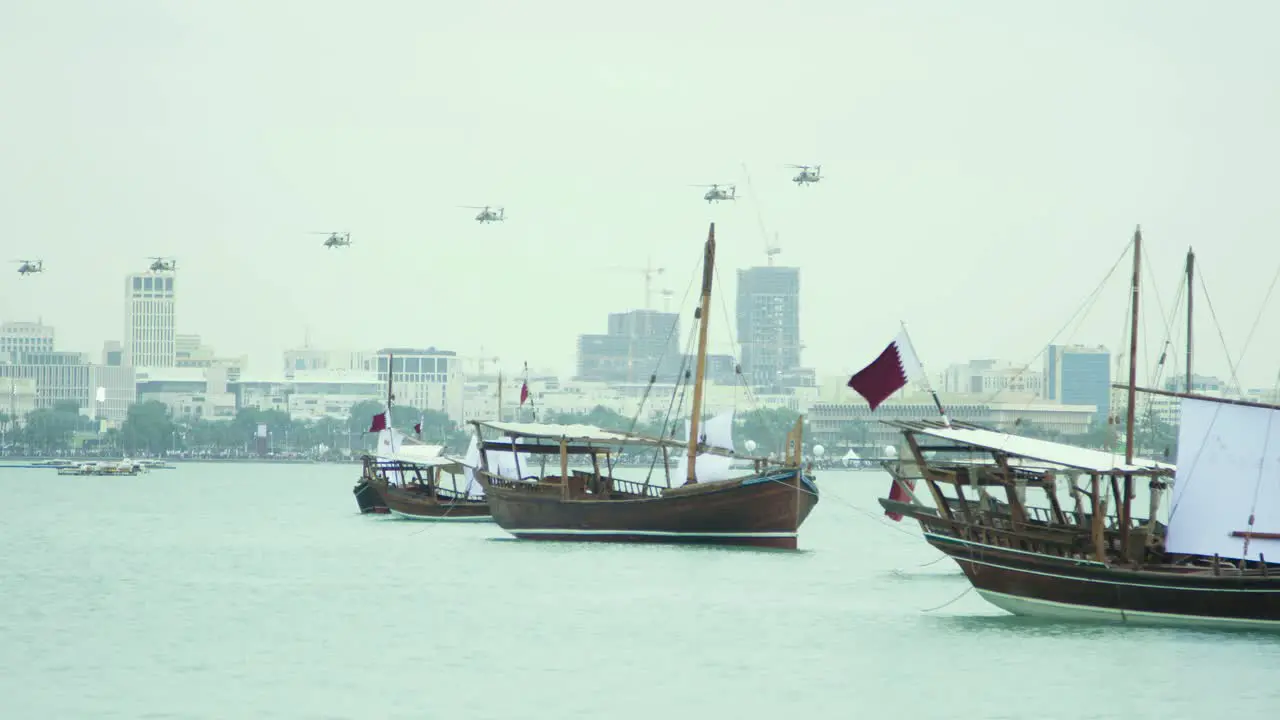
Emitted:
<point x="480" y="360"/>
<point x="771" y="250"/>
<point x="649" y="271"/>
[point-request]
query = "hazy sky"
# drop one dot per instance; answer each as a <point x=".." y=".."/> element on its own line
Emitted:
<point x="986" y="163"/>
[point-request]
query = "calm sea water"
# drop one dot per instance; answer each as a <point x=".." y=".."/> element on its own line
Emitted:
<point x="257" y="591"/>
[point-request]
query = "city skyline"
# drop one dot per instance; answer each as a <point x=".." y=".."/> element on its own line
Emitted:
<point x="983" y="227"/>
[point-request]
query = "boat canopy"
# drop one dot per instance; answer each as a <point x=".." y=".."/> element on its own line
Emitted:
<point x="590" y="436"/>
<point x="443" y="462"/>
<point x="1046" y="451"/>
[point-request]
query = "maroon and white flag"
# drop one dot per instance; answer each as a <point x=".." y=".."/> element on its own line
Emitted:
<point x="888" y="373"/>
<point x="898" y="494"/>
<point x="379" y="423"/>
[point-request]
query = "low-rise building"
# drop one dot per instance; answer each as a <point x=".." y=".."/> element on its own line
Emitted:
<point x="190" y="393"/>
<point x="70" y="377"/>
<point x="852" y="423"/>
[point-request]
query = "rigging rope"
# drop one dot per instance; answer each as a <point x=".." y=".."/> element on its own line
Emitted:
<point x="949" y="602"/>
<point x="1078" y="317"/>
<point x="1258" y="319"/>
<point x="1257" y="484"/>
<point x="1204" y="289"/>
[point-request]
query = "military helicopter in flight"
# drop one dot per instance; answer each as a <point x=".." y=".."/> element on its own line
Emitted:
<point x="717" y="193"/>
<point x="336" y="239"/>
<point x="160" y="264"/>
<point x="805" y="176"/>
<point x="486" y="215"/>
<point x="28" y="267"/>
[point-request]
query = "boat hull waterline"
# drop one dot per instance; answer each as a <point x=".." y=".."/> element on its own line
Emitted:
<point x="764" y="511"/>
<point x="1051" y="587"/>
<point x="421" y="505"/>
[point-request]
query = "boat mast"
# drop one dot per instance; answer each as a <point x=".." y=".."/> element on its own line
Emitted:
<point x="391" y="357"/>
<point x="703" y="312"/>
<point x="1191" y="263"/>
<point x="1133" y="348"/>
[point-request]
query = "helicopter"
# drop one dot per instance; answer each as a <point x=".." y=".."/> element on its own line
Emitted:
<point x="160" y="264"/>
<point x="486" y="215"/>
<point x="717" y="194"/>
<point x="27" y="266"/>
<point x="336" y="239"/>
<point x="804" y="176"/>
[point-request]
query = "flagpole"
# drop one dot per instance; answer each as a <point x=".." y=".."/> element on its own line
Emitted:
<point x="925" y="375"/>
<point x="525" y="391"/>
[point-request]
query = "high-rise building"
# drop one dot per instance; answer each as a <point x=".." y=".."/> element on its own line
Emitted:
<point x="149" y="338"/>
<point x="1079" y="375"/>
<point x="769" y="324"/>
<point x="640" y="343"/>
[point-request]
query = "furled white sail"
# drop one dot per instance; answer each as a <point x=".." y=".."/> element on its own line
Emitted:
<point x="389" y="440"/>
<point x="1228" y="471"/>
<point x="708" y="467"/>
<point x="469" y="465"/>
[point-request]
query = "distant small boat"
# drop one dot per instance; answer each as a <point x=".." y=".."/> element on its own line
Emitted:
<point x="417" y="490"/>
<point x="102" y="467"/>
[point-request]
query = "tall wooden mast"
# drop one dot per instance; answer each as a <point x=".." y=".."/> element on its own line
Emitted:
<point x="704" y="311"/>
<point x="1133" y="347"/>
<point x="391" y="367"/>
<point x="1191" y="263"/>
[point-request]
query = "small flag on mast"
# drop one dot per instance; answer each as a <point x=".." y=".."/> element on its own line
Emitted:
<point x="524" y="386"/>
<point x="379" y="423"/>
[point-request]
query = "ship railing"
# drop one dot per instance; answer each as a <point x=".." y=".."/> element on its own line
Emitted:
<point x="632" y="487"/>
<point x="1046" y="516"/>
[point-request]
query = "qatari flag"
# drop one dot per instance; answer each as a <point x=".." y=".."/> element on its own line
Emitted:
<point x="379" y="423"/>
<point x="897" y="494"/>
<point x="888" y="373"/>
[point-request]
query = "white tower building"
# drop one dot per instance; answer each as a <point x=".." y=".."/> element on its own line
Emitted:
<point x="149" y="339"/>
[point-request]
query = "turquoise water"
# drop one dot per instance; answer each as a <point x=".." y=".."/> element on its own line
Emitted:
<point x="219" y="591"/>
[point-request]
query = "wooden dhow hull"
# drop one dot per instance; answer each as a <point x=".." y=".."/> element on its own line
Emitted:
<point x="759" y="511"/>
<point x="369" y="497"/>
<point x="1033" y="584"/>
<point x="415" y="504"/>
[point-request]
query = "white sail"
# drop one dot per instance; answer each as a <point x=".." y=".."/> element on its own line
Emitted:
<point x="708" y="467"/>
<point x="1228" y="470"/>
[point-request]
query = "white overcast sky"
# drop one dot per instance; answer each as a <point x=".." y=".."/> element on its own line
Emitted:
<point x="987" y="164"/>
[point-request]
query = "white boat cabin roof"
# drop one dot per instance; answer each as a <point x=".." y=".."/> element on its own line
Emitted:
<point x="444" y="462"/>
<point x="587" y="435"/>
<point x="1046" y="451"/>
